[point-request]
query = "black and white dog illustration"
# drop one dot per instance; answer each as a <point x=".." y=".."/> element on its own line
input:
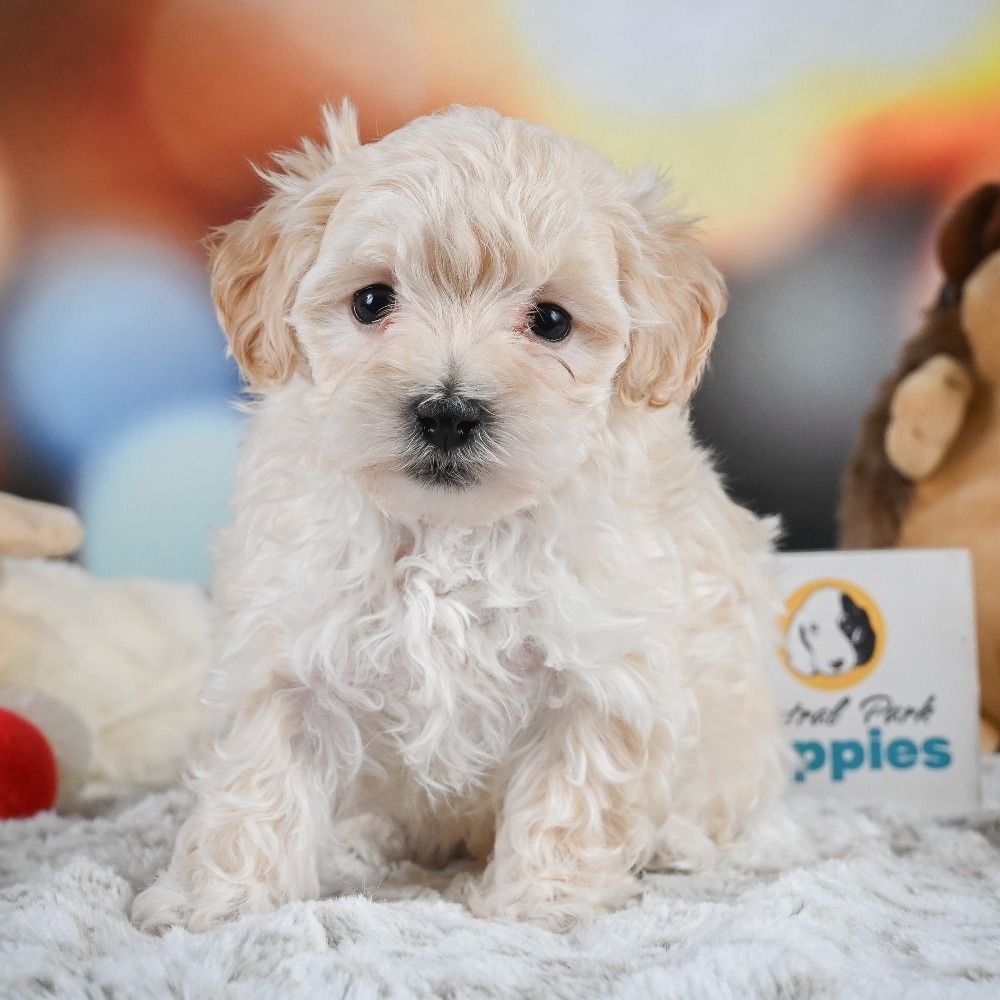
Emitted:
<point x="829" y="635"/>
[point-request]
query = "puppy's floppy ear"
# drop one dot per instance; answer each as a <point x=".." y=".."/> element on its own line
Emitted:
<point x="257" y="263"/>
<point x="674" y="295"/>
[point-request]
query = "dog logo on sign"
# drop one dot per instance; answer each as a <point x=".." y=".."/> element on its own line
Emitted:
<point x="833" y="634"/>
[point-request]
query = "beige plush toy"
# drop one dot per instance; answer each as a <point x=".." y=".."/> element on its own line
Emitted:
<point x="109" y="670"/>
<point x="926" y="472"/>
<point x="31" y="529"/>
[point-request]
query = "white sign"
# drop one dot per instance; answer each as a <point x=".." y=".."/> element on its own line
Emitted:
<point x="876" y="677"/>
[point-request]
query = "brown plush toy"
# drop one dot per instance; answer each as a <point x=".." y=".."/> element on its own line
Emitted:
<point x="926" y="471"/>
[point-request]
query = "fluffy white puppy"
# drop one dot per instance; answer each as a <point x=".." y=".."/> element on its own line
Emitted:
<point x="480" y="579"/>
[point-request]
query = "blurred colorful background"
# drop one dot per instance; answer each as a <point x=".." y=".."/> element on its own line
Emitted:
<point x="820" y="142"/>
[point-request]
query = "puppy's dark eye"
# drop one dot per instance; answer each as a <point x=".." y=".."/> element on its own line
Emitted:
<point x="373" y="303"/>
<point x="550" y="322"/>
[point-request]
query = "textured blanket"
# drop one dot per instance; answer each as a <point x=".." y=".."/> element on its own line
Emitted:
<point x="820" y="901"/>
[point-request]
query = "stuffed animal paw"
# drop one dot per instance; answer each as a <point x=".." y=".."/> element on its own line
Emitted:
<point x="927" y="411"/>
<point x="32" y="528"/>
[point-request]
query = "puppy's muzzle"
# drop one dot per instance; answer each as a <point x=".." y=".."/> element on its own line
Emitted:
<point x="448" y="423"/>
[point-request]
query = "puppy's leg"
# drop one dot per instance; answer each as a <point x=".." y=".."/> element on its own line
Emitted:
<point x="570" y="828"/>
<point x="264" y="804"/>
<point x="447" y="833"/>
<point x="431" y="830"/>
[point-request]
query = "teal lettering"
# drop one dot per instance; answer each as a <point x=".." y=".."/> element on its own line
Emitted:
<point x="902" y="753"/>
<point x="845" y="755"/>
<point x="875" y="735"/>
<point x="813" y="756"/>
<point x="937" y="753"/>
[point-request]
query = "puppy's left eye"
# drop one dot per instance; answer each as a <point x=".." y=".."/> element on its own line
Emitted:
<point x="373" y="303"/>
<point x="550" y="322"/>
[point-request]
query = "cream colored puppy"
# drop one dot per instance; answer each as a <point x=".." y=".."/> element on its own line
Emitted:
<point x="480" y="580"/>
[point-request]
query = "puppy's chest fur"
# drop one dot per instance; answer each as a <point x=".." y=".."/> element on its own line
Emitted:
<point x="450" y="648"/>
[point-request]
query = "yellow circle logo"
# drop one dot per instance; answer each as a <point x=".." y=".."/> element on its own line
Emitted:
<point x="833" y="635"/>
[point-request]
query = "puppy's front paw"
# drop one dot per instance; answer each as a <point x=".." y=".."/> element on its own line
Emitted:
<point x="167" y="903"/>
<point x="553" y="902"/>
<point x="162" y="906"/>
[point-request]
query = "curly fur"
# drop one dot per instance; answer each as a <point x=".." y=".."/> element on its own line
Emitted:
<point x="556" y="668"/>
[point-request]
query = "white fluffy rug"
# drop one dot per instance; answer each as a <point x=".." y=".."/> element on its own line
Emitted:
<point x="825" y="902"/>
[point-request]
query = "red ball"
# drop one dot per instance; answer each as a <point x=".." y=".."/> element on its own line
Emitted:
<point x="28" y="769"/>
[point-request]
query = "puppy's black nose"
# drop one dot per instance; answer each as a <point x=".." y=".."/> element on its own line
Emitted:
<point x="448" y="422"/>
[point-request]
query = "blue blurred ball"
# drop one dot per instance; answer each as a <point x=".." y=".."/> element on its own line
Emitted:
<point x="152" y="498"/>
<point x="102" y="329"/>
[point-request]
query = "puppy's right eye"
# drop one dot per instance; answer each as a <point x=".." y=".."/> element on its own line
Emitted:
<point x="550" y="322"/>
<point x="373" y="303"/>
